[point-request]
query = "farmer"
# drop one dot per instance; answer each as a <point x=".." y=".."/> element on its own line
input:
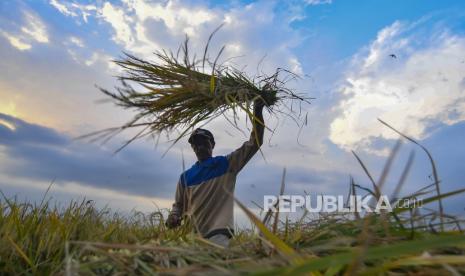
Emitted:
<point x="205" y="192"/>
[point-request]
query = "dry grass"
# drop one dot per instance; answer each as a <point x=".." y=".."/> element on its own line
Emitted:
<point x="40" y="240"/>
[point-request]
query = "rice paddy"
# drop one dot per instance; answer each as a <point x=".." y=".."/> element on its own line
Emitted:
<point x="80" y="239"/>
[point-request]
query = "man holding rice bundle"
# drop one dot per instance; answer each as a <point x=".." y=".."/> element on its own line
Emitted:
<point x="205" y="192"/>
<point x="175" y="93"/>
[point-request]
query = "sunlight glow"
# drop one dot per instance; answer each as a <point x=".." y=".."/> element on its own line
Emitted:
<point x="9" y="109"/>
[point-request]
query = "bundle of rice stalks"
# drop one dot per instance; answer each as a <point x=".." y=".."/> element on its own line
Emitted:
<point x="175" y="93"/>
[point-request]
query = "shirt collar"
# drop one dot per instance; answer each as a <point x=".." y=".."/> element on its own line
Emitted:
<point x="206" y="163"/>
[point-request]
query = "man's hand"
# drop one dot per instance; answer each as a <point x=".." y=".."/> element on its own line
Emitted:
<point x="173" y="221"/>
<point x="258" y="105"/>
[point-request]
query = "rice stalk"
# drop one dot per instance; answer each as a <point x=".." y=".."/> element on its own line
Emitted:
<point x="175" y="93"/>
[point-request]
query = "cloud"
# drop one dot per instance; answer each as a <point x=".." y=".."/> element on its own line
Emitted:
<point x="73" y="9"/>
<point x="417" y="91"/>
<point x="33" y="154"/>
<point x="120" y="23"/>
<point x="35" y="28"/>
<point x="32" y="30"/>
<point x="141" y="27"/>
<point x="76" y="41"/>
<point x="63" y="8"/>
<point x="318" y="2"/>
<point x="36" y="87"/>
<point x="42" y="154"/>
<point x="16" y="42"/>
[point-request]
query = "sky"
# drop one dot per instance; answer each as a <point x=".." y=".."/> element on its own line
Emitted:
<point x="400" y="61"/>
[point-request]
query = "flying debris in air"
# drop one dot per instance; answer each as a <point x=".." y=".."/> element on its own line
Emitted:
<point x="393" y="56"/>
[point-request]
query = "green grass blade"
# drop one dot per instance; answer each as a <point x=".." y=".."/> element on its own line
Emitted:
<point x="280" y="245"/>
<point x="375" y="253"/>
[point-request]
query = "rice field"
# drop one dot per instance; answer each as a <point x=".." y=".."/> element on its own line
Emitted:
<point x="80" y="239"/>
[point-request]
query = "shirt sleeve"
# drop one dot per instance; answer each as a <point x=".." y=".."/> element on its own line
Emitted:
<point x="179" y="204"/>
<point x="238" y="158"/>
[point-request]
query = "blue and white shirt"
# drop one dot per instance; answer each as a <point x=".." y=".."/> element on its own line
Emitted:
<point x="205" y="192"/>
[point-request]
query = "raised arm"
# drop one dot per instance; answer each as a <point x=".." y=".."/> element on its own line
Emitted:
<point x="240" y="157"/>
<point x="258" y="123"/>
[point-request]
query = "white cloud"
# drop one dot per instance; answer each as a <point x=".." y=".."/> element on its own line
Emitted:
<point x="419" y="89"/>
<point x="296" y="67"/>
<point x="318" y="2"/>
<point x="85" y="10"/>
<point x="142" y="27"/>
<point x="100" y="57"/>
<point x="76" y="41"/>
<point x="35" y="28"/>
<point x="173" y="13"/>
<point x="16" y="42"/>
<point x="62" y="8"/>
<point x="120" y="23"/>
<point x="74" y="9"/>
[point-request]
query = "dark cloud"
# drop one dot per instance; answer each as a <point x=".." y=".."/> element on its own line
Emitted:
<point x="41" y="153"/>
<point x="38" y="152"/>
<point x="25" y="133"/>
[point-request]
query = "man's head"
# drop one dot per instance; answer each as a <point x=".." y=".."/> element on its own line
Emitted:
<point x="202" y="143"/>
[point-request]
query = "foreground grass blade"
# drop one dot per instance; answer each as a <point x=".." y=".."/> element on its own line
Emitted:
<point x="21" y="252"/>
<point x="400" y="209"/>
<point x="417" y="261"/>
<point x="375" y="253"/>
<point x="280" y="245"/>
<point x="433" y="168"/>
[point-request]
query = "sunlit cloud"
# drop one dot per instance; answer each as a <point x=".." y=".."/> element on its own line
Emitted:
<point x="142" y="27"/>
<point x="16" y="42"/>
<point x="7" y="124"/>
<point x="9" y="108"/>
<point x="31" y="31"/>
<point x="35" y="28"/>
<point x="416" y="84"/>
<point x="120" y="22"/>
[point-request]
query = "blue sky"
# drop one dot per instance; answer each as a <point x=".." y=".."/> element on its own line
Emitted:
<point x="55" y="52"/>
